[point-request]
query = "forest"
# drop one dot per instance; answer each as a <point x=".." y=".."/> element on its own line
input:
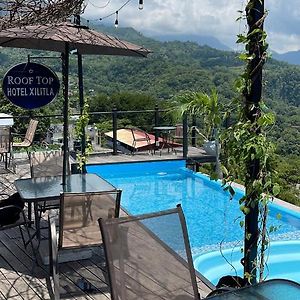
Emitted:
<point x="174" y="67"/>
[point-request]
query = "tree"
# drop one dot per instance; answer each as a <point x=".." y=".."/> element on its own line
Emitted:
<point x="31" y="12"/>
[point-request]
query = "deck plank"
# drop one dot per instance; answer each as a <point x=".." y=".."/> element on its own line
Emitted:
<point x="29" y="277"/>
<point x="6" y="286"/>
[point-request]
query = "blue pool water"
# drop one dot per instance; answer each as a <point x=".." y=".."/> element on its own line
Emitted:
<point x="211" y="217"/>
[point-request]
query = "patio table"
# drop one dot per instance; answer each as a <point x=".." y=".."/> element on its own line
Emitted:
<point x="40" y="189"/>
<point x="165" y="134"/>
<point x="271" y="289"/>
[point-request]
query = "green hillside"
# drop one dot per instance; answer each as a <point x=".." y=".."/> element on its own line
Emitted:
<point x="178" y="66"/>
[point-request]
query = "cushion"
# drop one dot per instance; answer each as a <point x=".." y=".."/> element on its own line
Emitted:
<point x="10" y="209"/>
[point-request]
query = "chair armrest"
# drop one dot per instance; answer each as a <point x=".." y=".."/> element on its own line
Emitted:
<point x="20" y="136"/>
<point x="4" y="194"/>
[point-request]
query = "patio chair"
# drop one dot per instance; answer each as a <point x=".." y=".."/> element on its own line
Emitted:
<point x="178" y="134"/>
<point x="43" y="164"/>
<point x="46" y="163"/>
<point x="78" y="224"/>
<point x="140" y="138"/>
<point x="28" y="139"/>
<point x="12" y="215"/>
<point x="149" y="257"/>
<point x="5" y="145"/>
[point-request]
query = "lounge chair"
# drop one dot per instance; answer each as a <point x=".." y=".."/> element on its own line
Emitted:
<point x="78" y="225"/>
<point x="149" y="257"/>
<point x="29" y="136"/>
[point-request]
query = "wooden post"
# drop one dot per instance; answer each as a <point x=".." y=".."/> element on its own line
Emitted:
<point x="255" y="19"/>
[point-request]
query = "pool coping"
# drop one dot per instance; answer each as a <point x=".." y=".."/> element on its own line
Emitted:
<point x="275" y="200"/>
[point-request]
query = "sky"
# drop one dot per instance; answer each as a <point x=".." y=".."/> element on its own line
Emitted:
<point x="215" y="18"/>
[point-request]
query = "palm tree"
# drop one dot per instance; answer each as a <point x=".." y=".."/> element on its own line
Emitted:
<point x="200" y="104"/>
<point x="207" y="106"/>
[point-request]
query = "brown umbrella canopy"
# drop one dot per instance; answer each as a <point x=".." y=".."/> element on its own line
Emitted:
<point x="54" y="37"/>
<point x="64" y="37"/>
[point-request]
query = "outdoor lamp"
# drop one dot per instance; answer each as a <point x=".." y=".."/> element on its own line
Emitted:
<point x="141" y="4"/>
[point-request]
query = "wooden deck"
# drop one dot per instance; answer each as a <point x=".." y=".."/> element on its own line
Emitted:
<point x="22" y="278"/>
<point x="194" y="154"/>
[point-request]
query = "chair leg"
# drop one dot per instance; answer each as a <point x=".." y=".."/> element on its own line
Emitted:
<point x="22" y="236"/>
<point x="29" y="241"/>
<point x="53" y="255"/>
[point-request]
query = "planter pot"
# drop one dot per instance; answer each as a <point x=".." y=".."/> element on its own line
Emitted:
<point x="210" y="147"/>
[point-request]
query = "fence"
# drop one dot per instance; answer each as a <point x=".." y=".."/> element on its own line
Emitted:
<point x="50" y="128"/>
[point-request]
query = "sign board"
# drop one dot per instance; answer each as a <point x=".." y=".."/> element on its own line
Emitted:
<point x="30" y="85"/>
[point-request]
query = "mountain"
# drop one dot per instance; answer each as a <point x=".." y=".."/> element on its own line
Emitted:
<point x="201" y="40"/>
<point x="291" y="57"/>
<point x="176" y="66"/>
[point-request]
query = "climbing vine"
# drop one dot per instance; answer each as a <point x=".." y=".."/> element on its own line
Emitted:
<point x="247" y="154"/>
<point x="80" y="127"/>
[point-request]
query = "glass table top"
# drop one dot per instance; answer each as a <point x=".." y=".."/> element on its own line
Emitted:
<point x="31" y="189"/>
<point x="274" y="289"/>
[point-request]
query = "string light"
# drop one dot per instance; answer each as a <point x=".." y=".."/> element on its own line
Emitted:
<point x="116" y="13"/>
<point x="141" y="4"/>
<point x="117" y="19"/>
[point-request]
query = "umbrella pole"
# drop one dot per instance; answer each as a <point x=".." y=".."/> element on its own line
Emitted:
<point x="65" y="72"/>
<point x="81" y="101"/>
<point x="81" y="95"/>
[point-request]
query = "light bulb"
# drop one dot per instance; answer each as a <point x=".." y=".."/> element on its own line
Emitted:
<point x="117" y="19"/>
<point x="141" y="4"/>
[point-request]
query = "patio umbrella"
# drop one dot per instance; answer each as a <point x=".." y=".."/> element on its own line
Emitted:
<point x="63" y="38"/>
<point x="54" y="37"/>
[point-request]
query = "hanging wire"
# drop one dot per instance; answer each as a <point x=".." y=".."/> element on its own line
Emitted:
<point x="97" y="6"/>
<point x="111" y="14"/>
<point x="116" y="13"/>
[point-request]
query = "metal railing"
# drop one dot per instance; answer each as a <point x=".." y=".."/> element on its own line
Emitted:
<point x="156" y="117"/>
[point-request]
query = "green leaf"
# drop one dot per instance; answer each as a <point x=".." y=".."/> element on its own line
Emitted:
<point x="276" y="189"/>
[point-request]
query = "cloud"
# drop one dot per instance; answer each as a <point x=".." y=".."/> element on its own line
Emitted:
<point x="203" y="17"/>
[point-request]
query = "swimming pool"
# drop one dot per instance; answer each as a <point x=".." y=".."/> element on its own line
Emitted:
<point x="210" y="216"/>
